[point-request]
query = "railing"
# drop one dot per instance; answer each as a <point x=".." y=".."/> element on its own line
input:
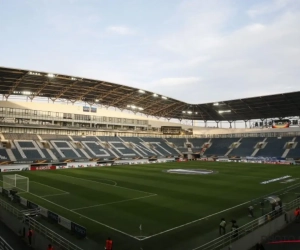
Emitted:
<point x="230" y="237"/>
<point x="55" y="238"/>
<point x="4" y="245"/>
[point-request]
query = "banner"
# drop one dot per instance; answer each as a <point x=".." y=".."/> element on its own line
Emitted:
<point x="78" y="230"/>
<point x="23" y="201"/>
<point x="32" y="205"/>
<point x="64" y="222"/>
<point x="52" y="216"/>
<point x="43" y="211"/>
<point x="37" y="168"/>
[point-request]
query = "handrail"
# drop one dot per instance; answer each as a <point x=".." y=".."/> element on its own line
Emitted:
<point x="4" y="245"/>
<point x="228" y="238"/>
<point x="55" y="238"/>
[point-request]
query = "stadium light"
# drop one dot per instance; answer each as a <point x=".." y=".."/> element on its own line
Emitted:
<point x="183" y="112"/>
<point x="141" y="91"/>
<point x="34" y="73"/>
<point x="155" y="95"/>
<point x="216" y="104"/>
<point x="140" y="108"/>
<point x="224" y="111"/>
<point x="26" y="93"/>
<point x="190" y="112"/>
<point x="51" y="75"/>
<point x="196" y="113"/>
<point x="73" y="78"/>
<point x="163" y="97"/>
<point x="96" y="100"/>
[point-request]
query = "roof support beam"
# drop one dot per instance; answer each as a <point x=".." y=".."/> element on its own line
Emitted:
<point x="36" y="93"/>
<point x="109" y="93"/>
<point x="79" y="98"/>
<point x="121" y="99"/>
<point x="15" y="85"/>
<point x="63" y="91"/>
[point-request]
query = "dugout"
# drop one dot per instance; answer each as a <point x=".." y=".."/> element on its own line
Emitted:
<point x="275" y="204"/>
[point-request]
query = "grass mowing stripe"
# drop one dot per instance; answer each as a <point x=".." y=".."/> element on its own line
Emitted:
<point x="115" y="202"/>
<point x="194" y="221"/>
<point x="83" y="216"/>
<point x="48" y="186"/>
<point x="136" y="190"/>
<point x="50" y="195"/>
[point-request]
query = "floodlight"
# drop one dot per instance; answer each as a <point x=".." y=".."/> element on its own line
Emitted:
<point x="183" y="112"/>
<point x="140" y="108"/>
<point x="141" y="91"/>
<point x="155" y="95"/>
<point x="224" y="111"/>
<point x="133" y="107"/>
<point x="51" y="75"/>
<point x="96" y="100"/>
<point x="26" y="92"/>
<point x="196" y="113"/>
<point x="190" y="112"/>
<point x="73" y="78"/>
<point x="216" y="104"/>
<point x="163" y="97"/>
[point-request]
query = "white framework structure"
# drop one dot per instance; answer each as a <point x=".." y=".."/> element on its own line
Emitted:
<point x="19" y="182"/>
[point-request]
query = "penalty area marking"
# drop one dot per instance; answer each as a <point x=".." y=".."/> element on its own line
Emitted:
<point x="115" y="202"/>
<point x="88" y="218"/>
<point x="136" y="190"/>
<point x="48" y="186"/>
<point x="50" y="195"/>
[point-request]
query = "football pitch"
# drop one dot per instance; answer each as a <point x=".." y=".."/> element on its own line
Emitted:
<point x="145" y="207"/>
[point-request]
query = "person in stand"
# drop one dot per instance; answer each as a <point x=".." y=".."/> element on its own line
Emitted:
<point x="250" y="209"/>
<point x="50" y="247"/>
<point x="108" y="244"/>
<point x="29" y="235"/>
<point x="297" y="213"/>
<point x="234" y="229"/>
<point x="222" y="227"/>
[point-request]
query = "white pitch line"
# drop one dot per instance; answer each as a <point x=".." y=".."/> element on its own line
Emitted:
<point x="194" y="221"/>
<point x="88" y="218"/>
<point x="48" y="186"/>
<point x="49" y="195"/>
<point x="136" y="190"/>
<point x="115" y="202"/>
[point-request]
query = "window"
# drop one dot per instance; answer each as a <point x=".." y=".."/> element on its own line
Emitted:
<point x="26" y="111"/>
<point x="49" y="113"/>
<point x="57" y="114"/>
<point x="34" y="112"/>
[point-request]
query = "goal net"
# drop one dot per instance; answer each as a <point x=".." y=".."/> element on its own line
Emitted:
<point x="16" y="181"/>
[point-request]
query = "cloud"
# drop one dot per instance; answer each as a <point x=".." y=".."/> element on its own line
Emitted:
<point x="175" y="81"/>
<point x="269" y="7"/>
<point x="120" y="30"/>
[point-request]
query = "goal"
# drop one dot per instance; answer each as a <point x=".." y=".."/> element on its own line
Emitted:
<point x="16" y="181"/>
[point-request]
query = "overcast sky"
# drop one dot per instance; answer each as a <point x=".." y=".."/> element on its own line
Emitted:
<point x="192" y="50"/>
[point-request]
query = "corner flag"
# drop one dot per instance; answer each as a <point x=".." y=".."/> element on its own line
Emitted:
<point x="141" y="227"/>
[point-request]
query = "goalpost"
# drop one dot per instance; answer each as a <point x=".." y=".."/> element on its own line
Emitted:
<point x="16" y="181"/>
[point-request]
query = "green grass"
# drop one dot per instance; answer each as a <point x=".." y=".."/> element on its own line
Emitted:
<point x="114" y="201"/>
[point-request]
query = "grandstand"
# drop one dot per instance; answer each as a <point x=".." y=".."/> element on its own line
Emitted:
<point x="55" y="121"/>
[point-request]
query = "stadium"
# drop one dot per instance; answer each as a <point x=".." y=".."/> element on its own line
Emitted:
<point x="83" y="160"/>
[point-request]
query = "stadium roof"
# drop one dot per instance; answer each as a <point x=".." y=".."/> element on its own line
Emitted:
<point x="97" y="92"/>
